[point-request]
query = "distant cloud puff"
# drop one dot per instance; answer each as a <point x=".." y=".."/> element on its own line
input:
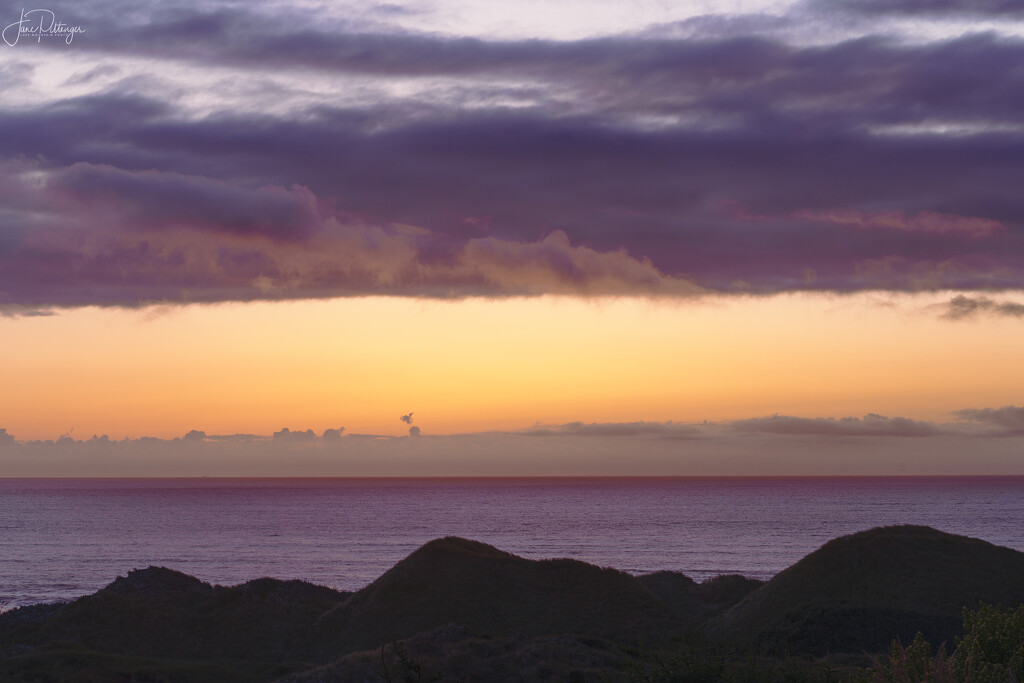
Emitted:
<point x="407" y="419"/>
<point x="332" y="434"/>
<point x="5" y="438"/>
<point x="961" y="307"/>
<point x="414" y="431"/>
<point x="288" y="435"/>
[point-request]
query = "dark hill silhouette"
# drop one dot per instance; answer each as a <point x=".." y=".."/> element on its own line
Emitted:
<point x="724" y="591"/>
<point x="454" y="580"/>
<point x="678" y="592"/>
<point x="158" y="583"/>
<point x="693" y="602"/>
<point x="857" y="592"/>
<point x="159" y="613"/>
<point x="481" y="606"/>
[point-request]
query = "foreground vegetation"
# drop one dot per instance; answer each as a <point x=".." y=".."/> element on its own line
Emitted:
<point x="990" y="651"/>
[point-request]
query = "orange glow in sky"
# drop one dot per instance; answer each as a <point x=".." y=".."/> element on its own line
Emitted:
<point x="480" y="365"/>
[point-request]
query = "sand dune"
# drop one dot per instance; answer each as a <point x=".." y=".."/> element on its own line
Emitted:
<point x="473" y="603"/>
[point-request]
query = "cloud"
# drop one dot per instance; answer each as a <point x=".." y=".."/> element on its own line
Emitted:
<point x="925" y="8"/>
<point x="413" y="164"/>
<point x="667" y="430"/>
<point x="775" y="445"/>
<point x="407" y="419"/>
<point x="554" y="265"/>
<point x="707" y="27"/>
<point x="414" y="431"/>
<point x="961" y="307"/>
<point x="235" y="438"/>
<point x="869" y="425"/>
<point x="96" y="235"/>
<point x="922" y="222"/>
<point x="15" y="74"/>
<point x="332" y="434"/>
<point x="93" y="74"/>
<point x="295" y="437"/>
<point x="167" y="201"/>
<point x="1009" y="419"/>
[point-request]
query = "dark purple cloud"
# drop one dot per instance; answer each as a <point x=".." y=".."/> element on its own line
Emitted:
<point x="925" y="8"/>
<point x="94" y="235"/>
<point x="634" y="165"/>
<point x="253" y="39"/>
<point x="162" y="201"/>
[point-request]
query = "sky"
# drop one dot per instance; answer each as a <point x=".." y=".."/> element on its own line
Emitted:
<point x="286" y="238"/>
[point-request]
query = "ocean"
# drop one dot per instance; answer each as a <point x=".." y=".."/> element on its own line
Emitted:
<point x="63" y="538"/>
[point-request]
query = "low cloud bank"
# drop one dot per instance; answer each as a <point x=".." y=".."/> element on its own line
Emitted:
<point x="1007" y="421"/>
<point x="869" y="425"/>
<point x="773" y="445"/>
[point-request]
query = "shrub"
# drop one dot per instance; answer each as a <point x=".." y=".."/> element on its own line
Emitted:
<point x="990" y="651"/>
<point x="992" y="647"/>
<point x="911" y="664"/>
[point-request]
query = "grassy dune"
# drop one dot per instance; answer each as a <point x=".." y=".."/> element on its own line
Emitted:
<point x="467" y="611"/>
<point x="858" y="592"/>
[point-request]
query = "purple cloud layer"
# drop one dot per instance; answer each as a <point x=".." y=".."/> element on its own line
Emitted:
<point x="918" y="8"/>
<point x="628" y="165"/>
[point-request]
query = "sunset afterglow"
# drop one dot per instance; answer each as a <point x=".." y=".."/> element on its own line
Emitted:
<point x="232" y="222"/>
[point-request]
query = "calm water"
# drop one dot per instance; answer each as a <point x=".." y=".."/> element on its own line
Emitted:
<point x="63" y="538"/>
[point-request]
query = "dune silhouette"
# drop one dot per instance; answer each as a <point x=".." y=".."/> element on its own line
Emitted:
<point x="473" y="605"/>
<point x="857" y="592"/>
<point x="454" y="580"/>
<point x="160" y="613"/>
